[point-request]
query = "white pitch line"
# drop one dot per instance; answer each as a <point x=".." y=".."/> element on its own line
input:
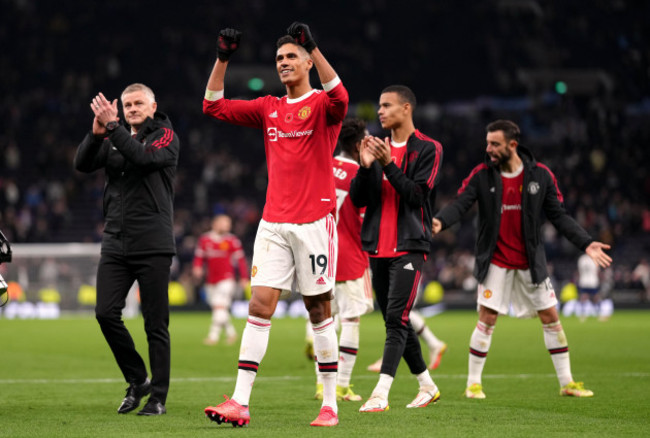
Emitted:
<point x="285" y="378"/>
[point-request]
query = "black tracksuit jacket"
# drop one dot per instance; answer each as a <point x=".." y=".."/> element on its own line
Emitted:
<point x="415" y="182"/>
<point x="139" y="189"/>
<point x="540" y="194"/>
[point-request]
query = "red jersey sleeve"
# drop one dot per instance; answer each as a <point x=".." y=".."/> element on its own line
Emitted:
<point x="337" y="102"/>
<point x="238" y="112"/>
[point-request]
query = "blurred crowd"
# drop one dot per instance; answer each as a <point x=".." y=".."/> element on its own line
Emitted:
<point x="574" y="75"/>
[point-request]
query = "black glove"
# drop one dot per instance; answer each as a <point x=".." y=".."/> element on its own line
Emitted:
<point x="300" y="32"/>
<point x="227" y="43"/>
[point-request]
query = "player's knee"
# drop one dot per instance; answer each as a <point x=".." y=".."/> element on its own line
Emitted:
<point x="394" y="320"/>
<point x="106" y="316"/>
<point x="260" y="310"/>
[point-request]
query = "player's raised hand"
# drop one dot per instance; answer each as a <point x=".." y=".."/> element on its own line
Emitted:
<point x="227" y="43"/>
<point x="302" y="35"/>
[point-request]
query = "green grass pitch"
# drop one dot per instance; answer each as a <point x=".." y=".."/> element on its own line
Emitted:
<point x="58" y="379"/>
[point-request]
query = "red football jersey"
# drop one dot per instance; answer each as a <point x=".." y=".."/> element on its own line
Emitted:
<point x="353" y="260"/>
<point x="387" y="245"/>
<point x="299" y="137"/>
<point x="510" y="252"/>
<point x="220" y="254"/>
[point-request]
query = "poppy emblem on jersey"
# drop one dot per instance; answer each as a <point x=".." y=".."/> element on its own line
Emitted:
<point x="254" y="271"/>
<point x="487" y="293"/>
<point x="533" y="187"/>
<point x="304" y="112"/>
<point x="288" y="117"/>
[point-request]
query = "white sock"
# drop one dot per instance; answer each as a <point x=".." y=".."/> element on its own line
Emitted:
<point x="326" y="350"/>
<point x="230" y="329"/>
<point x="348" y="348"/>
<point x="479" y="345"/>
<point x="424" y="379"/>
<point x="215" y="327"/>
<point x="383" y="386"/>
<point x="556" y="344"/>
<point x="423" y="331"/>
<point x="254" y="341"/>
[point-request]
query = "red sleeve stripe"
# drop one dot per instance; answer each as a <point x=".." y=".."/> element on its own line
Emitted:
<point x="557" y="189"/>
<point x="474" y="171"/>
<point x="165" y="140"/>
<point x="411" y="300"/>
<point x="436" y="164"/>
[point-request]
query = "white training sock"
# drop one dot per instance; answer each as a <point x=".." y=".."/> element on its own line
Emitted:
<point x="556" y="344"/>
<point x="424" y="379"/>
<point x="423" y="331"/>
<point x="383" y="386"/>
<point x="254" y="341"/>
<point x="215" y="327"/>
<point x="479" y="345"/>
<point x="348" y="348"/>
<point x="326" y="351"/>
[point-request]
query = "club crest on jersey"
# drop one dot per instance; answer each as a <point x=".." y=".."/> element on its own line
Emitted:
<point x="254" y="271"/>
<point x="304" y="112"/>
<point x="288" y="117"/>
<point x="487" y="293"/>
<point x="533" y="187"/>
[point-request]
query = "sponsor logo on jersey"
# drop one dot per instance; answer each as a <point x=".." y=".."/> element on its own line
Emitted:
<point x="275" y="133"/>
<point x="254" y="271"/>
<point x="507" y="207"/>
<point x="304" y="112"/>
<point x="321" y="280"/>
<point x="487" y="293"/>
<point x="409" y="266"/>
<point x="273" y="115"/>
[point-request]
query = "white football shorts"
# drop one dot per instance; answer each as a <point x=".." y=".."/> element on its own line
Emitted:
<point x="221" y="294"/>
<point x="306" y="253"/>
<point x="505" y="288"/>
<point x="353" y="297"/>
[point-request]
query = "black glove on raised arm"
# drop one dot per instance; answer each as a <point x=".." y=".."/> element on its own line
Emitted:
<point x="227" y="43"/>
<point x="302" y="35"/>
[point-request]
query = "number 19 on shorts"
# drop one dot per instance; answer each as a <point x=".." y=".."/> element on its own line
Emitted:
<point x="318" y="263"/>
